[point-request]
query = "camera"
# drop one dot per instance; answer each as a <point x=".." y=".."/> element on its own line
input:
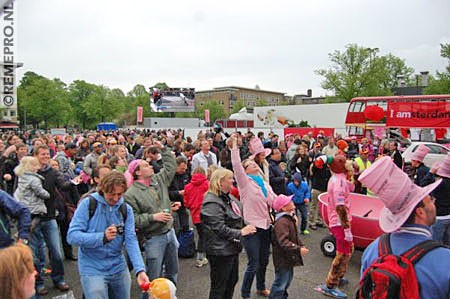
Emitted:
<point x="120" y="229"/>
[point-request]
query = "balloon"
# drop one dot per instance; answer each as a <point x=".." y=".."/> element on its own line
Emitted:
<point x="145" y="286"/>
<point x="374" y="113"/>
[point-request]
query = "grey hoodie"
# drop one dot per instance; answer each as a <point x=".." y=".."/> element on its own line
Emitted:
<point x="31" y="193"/>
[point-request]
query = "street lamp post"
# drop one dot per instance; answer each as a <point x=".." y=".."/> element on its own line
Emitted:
<point x="417" y="84"/>
<point x="372" y="53"/>
<point x="423" y="76"/>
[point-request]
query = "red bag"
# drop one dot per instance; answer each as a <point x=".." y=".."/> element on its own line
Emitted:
<point x="393" y="276"/>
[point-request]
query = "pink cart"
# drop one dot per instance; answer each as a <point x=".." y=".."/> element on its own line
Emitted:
<point x="365" y="212"/>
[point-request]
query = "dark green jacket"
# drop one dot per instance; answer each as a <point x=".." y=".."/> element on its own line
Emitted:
<point x="153" y="199"/>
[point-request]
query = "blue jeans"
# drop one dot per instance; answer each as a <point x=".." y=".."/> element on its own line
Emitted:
<point x="115" y="286"/>
<point x="283" y="278"/>
<point x="162" y="250"/>
<point x="257" y="247"/>
<point x="441" y="231"/>
<point x="47" y="231"/>
<point x="302" y="212"/>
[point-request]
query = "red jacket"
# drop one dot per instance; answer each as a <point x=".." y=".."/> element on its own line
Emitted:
<point x="193" y="195"/>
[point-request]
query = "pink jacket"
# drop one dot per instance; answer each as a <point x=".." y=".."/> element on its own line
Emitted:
<point x="255" y="205"/>
<point x="338" y="190"/>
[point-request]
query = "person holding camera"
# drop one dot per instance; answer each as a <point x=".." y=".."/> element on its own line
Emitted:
<point x="101" y="234"/>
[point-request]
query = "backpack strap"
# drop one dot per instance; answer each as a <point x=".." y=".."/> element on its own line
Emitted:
<point x="123" y="211"/>
<point x="384" y="245"/>
<point x="417" y="252"/>
<point x="92" y="206"/>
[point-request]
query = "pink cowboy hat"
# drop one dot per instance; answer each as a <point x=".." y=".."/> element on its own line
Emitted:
<point x="394" y="188"/>
<point x="257" y="147"/>
<point x="419" y="154"/>
<point x="444" y="168"/>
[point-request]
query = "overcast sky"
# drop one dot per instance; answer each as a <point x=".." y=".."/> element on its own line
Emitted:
<point x="205" y="44"/>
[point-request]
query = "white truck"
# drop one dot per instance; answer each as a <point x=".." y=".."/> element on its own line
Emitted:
<point x="317" y="115"/>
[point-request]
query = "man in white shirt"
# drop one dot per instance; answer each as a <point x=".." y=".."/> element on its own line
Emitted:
<point x="330" y="149"/>
<point x="205" y="157"/>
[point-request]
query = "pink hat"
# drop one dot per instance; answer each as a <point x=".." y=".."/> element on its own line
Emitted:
<point x="444" y="168"/>
<point x="129" y="173"/>
<point x="394" y="188"/>
<point x="133" y="165"/>
<point x="257" y="147"/>
<point x="419" y="154"/>
<point x="280" y="201"/>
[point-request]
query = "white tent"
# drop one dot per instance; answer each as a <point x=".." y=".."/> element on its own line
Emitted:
<point x="241" y="115"/>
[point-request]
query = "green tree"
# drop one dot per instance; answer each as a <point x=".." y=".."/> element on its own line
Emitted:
<point x="23" y="94"/>
<point x="103" y="104"/>
<point x="441" y="83"/>
<point x="161" y="85"/>
<point x="359" y="71"/>
<point x="138" y="91"/>
<point x="261" y="103"/>
<point x="185" y="114"/>
<point x="137" y="97"/>
<point x="238" y="106"/>
<point x="216" y="111"/>
<point x="43" y="100"/>
<point x="79" y="93"/>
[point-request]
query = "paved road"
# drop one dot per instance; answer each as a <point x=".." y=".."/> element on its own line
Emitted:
<point x="194" y="282"/>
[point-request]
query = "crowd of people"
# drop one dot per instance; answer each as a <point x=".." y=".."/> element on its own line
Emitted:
<point x="114" y="195"/>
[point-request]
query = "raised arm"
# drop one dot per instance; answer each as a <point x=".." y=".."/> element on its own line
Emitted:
<point x="169" y="164"/>
<point x="239" y="172"/>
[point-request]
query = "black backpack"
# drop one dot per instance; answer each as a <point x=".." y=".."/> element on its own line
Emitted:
<point x="93" y="208"/>
<point x="187" y="244"/>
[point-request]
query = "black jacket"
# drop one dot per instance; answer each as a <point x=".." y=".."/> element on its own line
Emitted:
<point x="178" y="183"/>
<point x="133" y="148"/>
<point x="157" y="165"/>
<point x="300" y="164"/>
<point x="8" y="168"/>
<point x="277" y="177"/>
<point x="54" y="179"/>
<point x="222" y="227"/>
<point x="320" y="177"/>
<point x="421" y="177"/>
<point x="398" y="160"/>
<point x="442" y="195"/>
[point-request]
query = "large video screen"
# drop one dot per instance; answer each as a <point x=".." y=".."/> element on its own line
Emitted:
<point x="172" y="100"/>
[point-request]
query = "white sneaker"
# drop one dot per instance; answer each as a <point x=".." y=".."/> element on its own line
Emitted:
<point x="199" y="263"/>
<point x="204" y="261"/>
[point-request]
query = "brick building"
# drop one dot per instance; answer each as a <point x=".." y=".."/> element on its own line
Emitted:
<point x="228" y="96"/>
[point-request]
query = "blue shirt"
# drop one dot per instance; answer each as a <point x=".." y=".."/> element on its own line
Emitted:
<point x="432" y="270"/>
<point x="94" y="257"/>
<point x="300" y="192"/>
